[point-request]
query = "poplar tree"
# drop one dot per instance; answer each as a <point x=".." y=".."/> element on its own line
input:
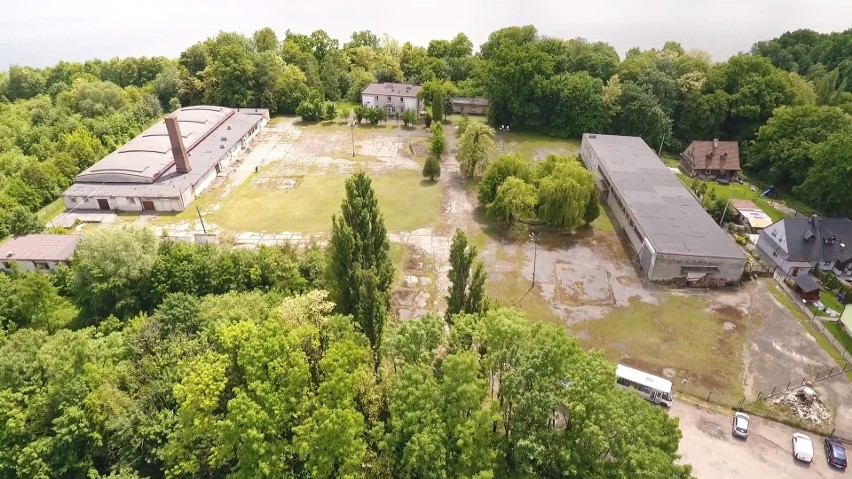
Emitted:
<point x="467" y="291"/>
<point x="360" y="269"/>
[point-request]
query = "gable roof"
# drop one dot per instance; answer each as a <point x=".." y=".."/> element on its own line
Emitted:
<point x="807" y="283"/>
<point x="405" y="90"/>
<point x="39" y="248"/>
<point x="814" y="239"/>
<point x="725" y="155"/>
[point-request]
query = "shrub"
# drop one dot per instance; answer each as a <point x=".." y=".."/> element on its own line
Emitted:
<point x="432" y="168"/>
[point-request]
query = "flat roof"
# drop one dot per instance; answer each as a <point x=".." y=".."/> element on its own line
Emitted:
<point x="641" y="377"/>
<point x="144" y="166"/>
<point x="392" y="89"/>
<point x="39" y="248"/>
<point x="669" y="215"/>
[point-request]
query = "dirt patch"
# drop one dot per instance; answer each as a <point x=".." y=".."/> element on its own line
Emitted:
<point x="418" y="148"/>
<point x="712" y="429"/>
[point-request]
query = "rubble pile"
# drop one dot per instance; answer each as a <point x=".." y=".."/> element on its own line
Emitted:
<point x="805" y="404"/>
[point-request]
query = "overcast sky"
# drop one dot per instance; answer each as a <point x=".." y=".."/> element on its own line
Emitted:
<point x="42" y="32"/>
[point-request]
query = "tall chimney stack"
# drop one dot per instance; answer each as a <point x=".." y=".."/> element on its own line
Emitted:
<point x="178" y="150"/>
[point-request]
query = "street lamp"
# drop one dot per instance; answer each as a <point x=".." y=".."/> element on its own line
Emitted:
<point x="352" y="124"/>
<point x="534" y="237"/>
<point x="503" y="130"/>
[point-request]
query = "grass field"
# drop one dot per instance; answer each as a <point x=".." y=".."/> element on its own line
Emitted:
<point x="840" y="334"/>
<point x="406" y="201"/>
<point x="736" y="191"/>
<point x="528" y="144"/>
<point x="51" y="210"/>
<point x="678" y="333"/>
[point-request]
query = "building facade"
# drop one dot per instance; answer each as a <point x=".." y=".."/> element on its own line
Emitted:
<point x="393" y="97"/>
<point x="672" y="236"/>
<point x="470" y="106"/>
<point x="168" y="165"/>
<point x="37" y="252"/>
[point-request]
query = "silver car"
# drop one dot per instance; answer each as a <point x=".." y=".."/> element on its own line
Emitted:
<point x="740" y="425"/>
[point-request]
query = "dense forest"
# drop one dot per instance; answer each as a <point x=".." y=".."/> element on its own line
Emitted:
<point x="151" y="358"/>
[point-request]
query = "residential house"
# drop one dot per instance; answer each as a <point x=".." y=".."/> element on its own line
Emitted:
<point x="393" y="97"/>
<point x="798" y="245"/>
<point x="750" y="214"/>
<point x="715" y="159"/>
<point x="471" y="106"/>
<point x="37" y="252"/>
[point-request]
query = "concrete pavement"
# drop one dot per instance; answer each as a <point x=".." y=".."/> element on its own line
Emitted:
<point x="714" y="453"/>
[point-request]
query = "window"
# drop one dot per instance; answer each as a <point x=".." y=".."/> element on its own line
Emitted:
<point x="40" y="265"/>
<point x="73" y="199"/>
<point x="401" y="100"/>
<point x="389" y="98"/>
<point x="377" y="97"/>
<point x="7" y="265"/>
<point x="131" y="200"/>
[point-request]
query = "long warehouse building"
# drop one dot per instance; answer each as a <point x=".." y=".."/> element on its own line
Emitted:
<point x="168" y="165"/>
<point x="672" y="235"/>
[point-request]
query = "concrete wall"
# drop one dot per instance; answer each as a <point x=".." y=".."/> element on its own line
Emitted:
<point x="406" y="103"/>
<point x="667" y="267"/>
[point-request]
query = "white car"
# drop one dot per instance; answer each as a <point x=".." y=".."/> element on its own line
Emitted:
<point x="740" y="425"/>
<point x="803" y="448"/>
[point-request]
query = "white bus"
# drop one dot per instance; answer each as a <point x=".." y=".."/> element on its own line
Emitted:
<point x="653" y="388"/>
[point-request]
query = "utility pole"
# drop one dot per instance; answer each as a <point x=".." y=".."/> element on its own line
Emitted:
<point x="503" y="130"/>
<point x="204" y="229"/>
<point x="352" y="131"/>
<point x="722" y="219"/>
<point x="534" y="238"/>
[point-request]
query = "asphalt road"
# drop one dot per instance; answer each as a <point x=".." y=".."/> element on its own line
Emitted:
<point x="714" y="453"/>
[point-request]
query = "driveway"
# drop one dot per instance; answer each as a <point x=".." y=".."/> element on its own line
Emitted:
<point x="714" y="453"/>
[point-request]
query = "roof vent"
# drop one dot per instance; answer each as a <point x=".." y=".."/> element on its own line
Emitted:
<point x="9" y="254"/>
<point x="808" y="235"/>
<point x="229" y="127"/>
<point x="224" y="138"/>
<point x="222" y="147"/>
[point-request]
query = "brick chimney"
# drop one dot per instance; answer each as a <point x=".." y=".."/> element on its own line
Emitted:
<point x="178" y="150"/>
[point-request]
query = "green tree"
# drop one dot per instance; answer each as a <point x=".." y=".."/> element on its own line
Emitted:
<point x="109" y="270"/>
<point x="827" y="180"/>
<point x="437" y="143"/>
<point x="515" y="200"/>
<point x="564" y="191"/>
<point x="409" y="117"/>
<point x="432" y="167"/>
<point x="21" y="221"/>
<point x="782" y="152"/>
<point x="575" y="105"/>
<point x="640" y="115"/>
<point x="476" y="146"/>
<point x="265" y="39"/>
<point x="467" y="278"/>
<point x="360" y="269"/>
<point x="510" y="164"/>
<point x="438" y="107"/>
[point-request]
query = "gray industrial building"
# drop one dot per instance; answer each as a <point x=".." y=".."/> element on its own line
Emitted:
<point x="168" y="165"/>
<point x="673" y="237"/>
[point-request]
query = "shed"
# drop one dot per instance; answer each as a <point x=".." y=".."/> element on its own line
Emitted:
<point x="807" y="287"/>
<point x="846" y="319"/>
<point x="751" y="215"/>
<point x="473" y="106"/>
<point x="38" y="252"/>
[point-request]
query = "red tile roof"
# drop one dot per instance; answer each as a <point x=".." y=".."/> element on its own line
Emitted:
<point x="725" y="156"/>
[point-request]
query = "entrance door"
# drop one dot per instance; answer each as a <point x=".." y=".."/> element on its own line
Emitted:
<point x="103" y="204"/>
<point x="655" y="397"/>
<point x="147" y="205"/>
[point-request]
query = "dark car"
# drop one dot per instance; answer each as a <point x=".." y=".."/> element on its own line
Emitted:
<point x="835" y="453"/>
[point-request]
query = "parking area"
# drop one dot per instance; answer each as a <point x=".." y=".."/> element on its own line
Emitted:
<point x="714" y="453"/>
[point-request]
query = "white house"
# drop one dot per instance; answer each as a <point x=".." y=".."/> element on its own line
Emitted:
<point x="393" y="97"/>
<point x="37" y="252"/>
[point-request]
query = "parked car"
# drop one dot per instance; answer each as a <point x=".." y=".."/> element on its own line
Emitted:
<point x="835" y="453"/>
<point x="803" y="448"/>
<point x="740" y="425"/>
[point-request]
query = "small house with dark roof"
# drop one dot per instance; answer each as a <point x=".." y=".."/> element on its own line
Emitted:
<point x="393" y="97"/>
<point x="37" y="252"/>
<point x="715" y="159"/>
<point x="807" y="287"/>
<point x="798" y="245"/>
